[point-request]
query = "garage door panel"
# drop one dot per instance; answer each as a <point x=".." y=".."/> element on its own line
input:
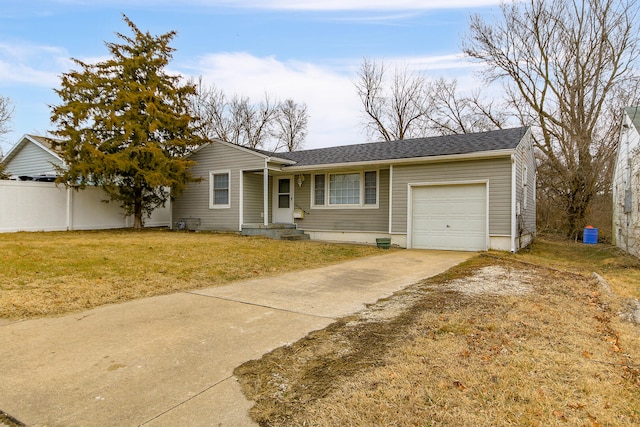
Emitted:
<point x="448" y="242"/>
<point x="449" y="217"/>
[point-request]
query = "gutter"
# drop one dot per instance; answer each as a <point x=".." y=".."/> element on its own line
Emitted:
<point x="428" y="159"/>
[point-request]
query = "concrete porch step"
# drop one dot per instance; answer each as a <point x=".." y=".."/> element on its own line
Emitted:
<point x="297" y="236"/>
<point x="274" y="231"/>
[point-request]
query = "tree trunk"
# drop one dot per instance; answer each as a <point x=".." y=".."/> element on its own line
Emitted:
<point x="579" y="200"/>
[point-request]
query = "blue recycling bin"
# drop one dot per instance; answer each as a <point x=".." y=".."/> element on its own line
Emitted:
<point x="590" y="236"/>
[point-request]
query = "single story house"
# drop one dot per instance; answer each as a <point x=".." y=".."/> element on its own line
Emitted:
<point x="32" y="158"/>
<point x="460" y="192"/>
<point x="626" y="184"/>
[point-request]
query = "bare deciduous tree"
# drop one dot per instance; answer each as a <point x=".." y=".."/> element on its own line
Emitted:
<point x="451" y="112"/>
<point x="240" y="121"/>
<point x="392" y="110"/>
<point x="209" y="105"/>
<point x="6" y="110"/>
<point x="254" y="121"/>
<point x="291" y="124"/>
<point x="564" y="62"/>
<point x="410" y="105"/>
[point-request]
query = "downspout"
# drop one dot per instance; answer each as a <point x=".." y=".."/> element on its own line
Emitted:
<point x="628" y="191"/>
<point x="241" y="200"/>
<point x="265" y="192"/>
<point x="514" y="220"/>
<point x="390" y="199"/>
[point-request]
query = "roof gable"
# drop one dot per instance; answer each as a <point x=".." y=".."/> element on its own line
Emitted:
<point x="634" y="116"/>
<point x="41" y="142"/>
<point x="272" y="157"/>
<point x="504" y="139"/>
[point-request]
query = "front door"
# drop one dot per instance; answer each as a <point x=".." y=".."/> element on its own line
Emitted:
<point x="283" y="200"/>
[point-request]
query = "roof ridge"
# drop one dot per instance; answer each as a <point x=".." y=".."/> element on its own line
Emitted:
<point x="501" y="139"/>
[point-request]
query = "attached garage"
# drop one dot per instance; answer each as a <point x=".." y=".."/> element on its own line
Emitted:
<point x="450" y="217"/>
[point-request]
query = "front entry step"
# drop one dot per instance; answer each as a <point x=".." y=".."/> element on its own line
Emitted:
<point x="275" y="231"/>
<point x="297" y="236"/>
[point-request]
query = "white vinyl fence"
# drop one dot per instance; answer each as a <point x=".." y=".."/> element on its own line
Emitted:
<point x="43" y="206"/>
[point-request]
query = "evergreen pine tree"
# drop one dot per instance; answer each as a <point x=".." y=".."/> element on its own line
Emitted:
<point x="124" y="124"/>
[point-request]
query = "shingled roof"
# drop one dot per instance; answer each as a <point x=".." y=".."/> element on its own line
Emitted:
<point x="504" y="139"/>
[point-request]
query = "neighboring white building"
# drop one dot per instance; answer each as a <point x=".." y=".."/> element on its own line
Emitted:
<point x="626" y="184"/>
<point x="32" y="156"/>
<point x="43" y="206"/>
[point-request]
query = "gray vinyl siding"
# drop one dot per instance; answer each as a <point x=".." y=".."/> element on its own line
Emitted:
<point x="351" y="219"/>
<point x="194" y="201"/>
<point x="526" y="220"/>
<point x="32" y="160"/>
<point x="496" y="171"/>
<point x="252" y="196"/>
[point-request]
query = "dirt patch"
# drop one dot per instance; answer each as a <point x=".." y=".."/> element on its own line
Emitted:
<point x="495" y="342"/>
<point x="631" y="311"/>
<point x="493" y="280"/>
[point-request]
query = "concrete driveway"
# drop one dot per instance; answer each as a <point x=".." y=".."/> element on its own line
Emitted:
<point x="169" y="360"/>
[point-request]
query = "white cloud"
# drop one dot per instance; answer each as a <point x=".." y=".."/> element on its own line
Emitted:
<point x="452" y="66"/>
<point x="37" y="65"/>
<point x="332" y="102"/>
<point x="334" y="108"/>
<point x="342" y="5"/>
<point x="24" y="74"/>
<point x="307" y="5"/>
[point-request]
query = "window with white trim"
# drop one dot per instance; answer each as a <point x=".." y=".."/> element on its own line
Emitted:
<point x="344" y="189"/>
<point x="348" y="190"/>
<point x="318" y="190"/>
<point x="219" y="189"/>
<point x="370" y="188"/>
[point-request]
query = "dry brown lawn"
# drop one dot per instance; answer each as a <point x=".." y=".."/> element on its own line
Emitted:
<point x="500" y="340"/>
<point x="45" y="274"/>
<point x="528" y="339"/>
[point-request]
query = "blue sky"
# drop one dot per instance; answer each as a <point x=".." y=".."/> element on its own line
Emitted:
<point x="308" y="50"/>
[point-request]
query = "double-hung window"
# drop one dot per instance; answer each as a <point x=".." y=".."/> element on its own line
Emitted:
<point x="318" y="190"/>
<point x="345" y="190"/>
<point x="370" y="188"/>
<point x="219" y="189"/>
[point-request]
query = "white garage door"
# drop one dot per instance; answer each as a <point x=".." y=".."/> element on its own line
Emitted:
<point x="450" y="217"/>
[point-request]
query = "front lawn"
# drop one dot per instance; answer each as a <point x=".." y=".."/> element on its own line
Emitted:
<point x="530" y="339"/>
<point x="44" y="274"/>
<point x="621" y="270"/>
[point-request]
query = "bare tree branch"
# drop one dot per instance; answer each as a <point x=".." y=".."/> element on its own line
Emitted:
<point x="240" y="121"/>
<point x="6" y="111"/>
<point x="565" y="64"/>
<point x="291" y="125"/>
<point x="392" y="112"/>
<point x="452" y="112"/>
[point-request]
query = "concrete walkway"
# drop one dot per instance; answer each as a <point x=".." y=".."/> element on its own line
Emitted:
<point x="169" y="360"/>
